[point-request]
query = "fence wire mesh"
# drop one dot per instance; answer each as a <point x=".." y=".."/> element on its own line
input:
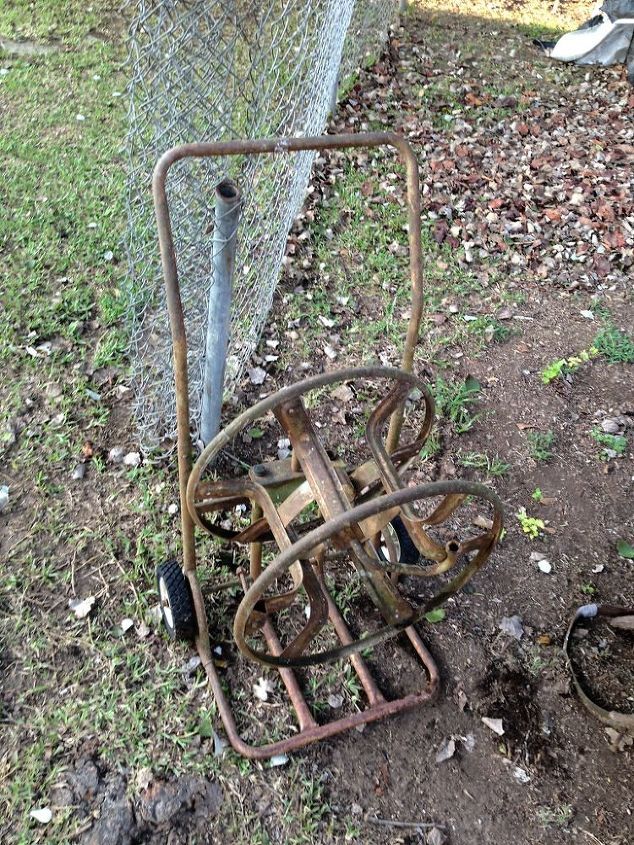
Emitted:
<point x="211" y="70"/>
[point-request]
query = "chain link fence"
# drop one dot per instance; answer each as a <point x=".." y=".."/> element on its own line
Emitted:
<point x="212" y="70"/>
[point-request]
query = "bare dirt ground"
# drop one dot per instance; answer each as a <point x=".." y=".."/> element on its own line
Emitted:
<point x="528" y="229"/>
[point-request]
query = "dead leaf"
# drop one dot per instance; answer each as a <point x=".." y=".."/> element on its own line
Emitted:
<point x="42" y="816"/>
<point x="144" y="778"/>
<point x="625" y="623"/>
<point x="446" y="750"/>
<point x="343" y="393"/>
<point x="262" y="688"/>
<point x="81" y="607"/>
<point x="494" y="724"/>
<point x="256" y="375"/>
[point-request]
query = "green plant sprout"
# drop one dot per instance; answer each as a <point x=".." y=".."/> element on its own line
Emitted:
<point x="540" y="444"/>
<point x="537" y="495"/>
<point x="530" y="525"/>
<point x="616" y="346"/>
<point x="567" y="365"/>
<point x="612" y="443"/>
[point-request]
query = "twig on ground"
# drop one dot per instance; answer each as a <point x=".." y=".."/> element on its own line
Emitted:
<point x="395" y="823"/>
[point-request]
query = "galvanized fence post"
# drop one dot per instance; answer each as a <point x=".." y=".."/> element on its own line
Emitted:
<point x="227" y="215"/>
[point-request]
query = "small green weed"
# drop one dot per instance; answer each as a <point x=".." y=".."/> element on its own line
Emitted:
<point x="625" y="549"/>
<point x="494" y="467"/>
<point x="432" y="446"/>
<point x="612" y="443"/>
<point x="491" y="330"/>
<point x="537" y="495"/>
<point x="567" y="365"/>
<point x="454" y="400"/>
<point x="558" y="816"/>
<point x="540" y="444"/>
<point x="616" y="346"/>
<point x="530" y="525"/>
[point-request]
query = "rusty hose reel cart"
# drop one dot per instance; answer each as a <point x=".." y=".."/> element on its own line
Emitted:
<point x="360" y="510"/>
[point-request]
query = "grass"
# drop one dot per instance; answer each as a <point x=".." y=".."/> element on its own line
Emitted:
<point x="492" y="467"/>
<point x="612" y="443"/>
<point x="63" y="180"/>
<point x="557" y="816"/>
<point x="540" y="444"/>
<point x="616" y="346"/>
<point x="455" y="400"/>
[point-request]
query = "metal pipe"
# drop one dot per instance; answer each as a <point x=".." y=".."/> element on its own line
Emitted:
<point x="289" y="145"/>
<point x="333" y="96"/>
<point x="224" y="253"/>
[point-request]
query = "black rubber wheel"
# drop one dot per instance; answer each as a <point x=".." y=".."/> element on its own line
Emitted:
<point x="406" y="549"/>
<point x="177" y="605"/>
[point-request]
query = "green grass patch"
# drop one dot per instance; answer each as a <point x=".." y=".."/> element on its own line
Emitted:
<point x="540" y="444"/>
<point x="616" y="346"/>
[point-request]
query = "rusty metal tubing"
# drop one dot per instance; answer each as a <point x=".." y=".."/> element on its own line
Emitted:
<point x="305" y="737"/>
<point x="444" y="556"/>
<point x="170" y="271"/>
<point x="613" y="718"/>
<point x="286" y="394"/>
<point x="302" y="548"/>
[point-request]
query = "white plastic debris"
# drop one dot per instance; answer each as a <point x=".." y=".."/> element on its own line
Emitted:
<point x="545" y="566"/>
<point x="330" y="352"/>
<point x="610" y="426"/>
<point x="4" y="497"/>
<point x="219" y="745"/>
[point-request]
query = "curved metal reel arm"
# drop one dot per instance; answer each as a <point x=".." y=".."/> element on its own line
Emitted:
<point x="302" y="549"/>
